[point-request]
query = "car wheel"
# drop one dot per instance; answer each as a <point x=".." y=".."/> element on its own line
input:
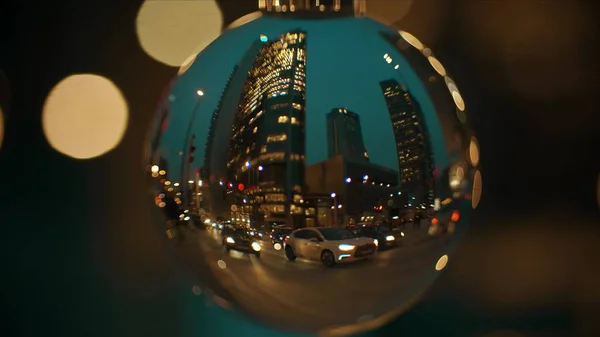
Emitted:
<point x="257" y="254"/>
<point x="227" y="248"/>
<point x="327" y="258"/>
<point x="289" y="253"/>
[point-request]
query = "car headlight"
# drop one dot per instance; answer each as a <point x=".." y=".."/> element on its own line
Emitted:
<point x="230" y="240"/>
<point x="390" y="238"/>
<point x="346" y="248"/>
<point x="376" y="242"/>
<point x="251" y="233"/>
<point x="402" y="233"/>
<point x="256" y="246"/>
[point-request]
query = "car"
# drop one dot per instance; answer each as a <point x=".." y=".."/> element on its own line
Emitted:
<point x="239" y="239"/>
<point x="278" y="236"/>
<point x="330" y="245"/>
<point x="383" y="234"/>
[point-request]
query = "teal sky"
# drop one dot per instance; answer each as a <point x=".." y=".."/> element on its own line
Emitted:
<point x="345" y="64"/>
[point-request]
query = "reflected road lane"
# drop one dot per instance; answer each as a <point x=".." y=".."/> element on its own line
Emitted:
<point x="346" y="292"/>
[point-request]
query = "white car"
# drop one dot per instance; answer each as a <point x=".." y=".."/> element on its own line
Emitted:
<point x="329" y="245"/>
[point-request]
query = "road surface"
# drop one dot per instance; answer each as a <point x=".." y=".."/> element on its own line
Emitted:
<point x="304" y="295"/>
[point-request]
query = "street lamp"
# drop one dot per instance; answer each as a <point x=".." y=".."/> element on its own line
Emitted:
<point x="334" y="196"/>
<point x="186" y="142"/>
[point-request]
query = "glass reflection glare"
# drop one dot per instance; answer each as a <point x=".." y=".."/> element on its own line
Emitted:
<point x="318" y="172"/>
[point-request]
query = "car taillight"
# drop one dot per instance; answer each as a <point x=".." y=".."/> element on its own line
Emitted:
<point x="286" y="238"/>
<point x="455" y="216"/>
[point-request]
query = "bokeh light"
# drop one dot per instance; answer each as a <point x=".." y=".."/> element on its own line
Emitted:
<point x="474" y="152"/>
<point x="412" y="40"/>
<point x="476" y="195"/>
<point x="389" y="12"/>
<point x="441" y="263"/>
<point x="187" y="64"/>
<point x="84" y="116"/>
<point x="437" y="65"/>
<point x="244" y="20"/>
<point x="170" y="30"/>
<point x="456" y="96"/>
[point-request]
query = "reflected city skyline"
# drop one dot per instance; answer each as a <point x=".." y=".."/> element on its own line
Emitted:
<point x="306" y="156"/>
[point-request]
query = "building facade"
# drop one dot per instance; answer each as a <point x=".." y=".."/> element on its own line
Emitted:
<point x="267" y="145"/>
<point x="415" y="159"/>
<point x="344" y="135"/>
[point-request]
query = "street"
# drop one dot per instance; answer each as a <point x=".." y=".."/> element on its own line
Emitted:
<point x="304" y="295"/>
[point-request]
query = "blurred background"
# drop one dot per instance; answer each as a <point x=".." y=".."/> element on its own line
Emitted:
<point x="83" y="258"/>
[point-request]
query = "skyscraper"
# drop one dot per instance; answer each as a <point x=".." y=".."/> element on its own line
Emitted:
<point x="220" y="131"/>
<point x="344" y="135"/>
<point x="415" y="161"/>
<point x="219" y="134"/>
<point x="267" y="145"/>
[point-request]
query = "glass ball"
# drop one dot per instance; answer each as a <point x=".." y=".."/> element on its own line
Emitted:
<point x="313" y="173"/>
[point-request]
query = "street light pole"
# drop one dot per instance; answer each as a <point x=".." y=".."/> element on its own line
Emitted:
<point x="186" y="146"/>
<point x="334" y="196"/>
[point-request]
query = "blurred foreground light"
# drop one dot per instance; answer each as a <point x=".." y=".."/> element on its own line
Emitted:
<point x="170" y="30"/>
<point x="437" y="65"/>
<point x="441" y="264"/>
<point x="474" y="152"/>
<point x="387" y="11"/>
<point x="85" y="116"/>
<point x="456" y="96"/>
<point x="476" y="195"/>
<point x="244" y="20"/>
<point x="412" y="40"/>
<point x="187" y="64"/>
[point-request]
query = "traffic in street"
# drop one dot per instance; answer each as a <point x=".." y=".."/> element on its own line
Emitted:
<point x="347" y="293"/>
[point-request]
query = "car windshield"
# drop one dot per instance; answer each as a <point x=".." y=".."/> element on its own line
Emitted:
<point x="334" y="234"/>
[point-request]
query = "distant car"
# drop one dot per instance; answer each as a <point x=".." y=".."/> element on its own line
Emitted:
<point x="239" y="239"/>
<point x="329" y="245"/>
<point x="383" y="234"/>
<point x="278" y="236"/>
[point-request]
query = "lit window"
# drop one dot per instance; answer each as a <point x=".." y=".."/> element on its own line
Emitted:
<point x="255" y="129"/>
<point x="276" y="138"/>
<point x="263" y="149"/>
<point x="283" y="119"/>
<point x="295" y="120"/>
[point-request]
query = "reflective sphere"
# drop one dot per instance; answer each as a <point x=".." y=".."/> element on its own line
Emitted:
<point x="315" y="174"/>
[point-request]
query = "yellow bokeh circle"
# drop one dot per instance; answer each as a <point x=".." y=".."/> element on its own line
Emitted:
<point x="85" y="116"/>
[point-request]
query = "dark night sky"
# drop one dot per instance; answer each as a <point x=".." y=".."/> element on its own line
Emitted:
<point x="82" y="260"/>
